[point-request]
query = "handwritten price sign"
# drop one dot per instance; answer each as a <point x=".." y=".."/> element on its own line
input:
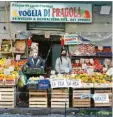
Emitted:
<point x="101" y="98"/>
<point x="60" y="83"/>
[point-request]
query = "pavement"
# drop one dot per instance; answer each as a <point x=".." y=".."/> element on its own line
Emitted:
<point x="46" y="111"/>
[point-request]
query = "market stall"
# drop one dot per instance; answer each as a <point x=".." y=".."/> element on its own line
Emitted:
<point x="87" y="86"/>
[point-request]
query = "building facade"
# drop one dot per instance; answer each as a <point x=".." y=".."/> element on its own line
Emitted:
<point x="100" y="24"/>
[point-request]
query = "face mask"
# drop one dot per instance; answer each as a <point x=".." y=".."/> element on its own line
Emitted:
<point x="63" y="54"/>
<point x="35" y="55"/>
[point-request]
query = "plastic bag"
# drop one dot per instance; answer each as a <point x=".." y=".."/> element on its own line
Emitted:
<point x="22" y="80"/>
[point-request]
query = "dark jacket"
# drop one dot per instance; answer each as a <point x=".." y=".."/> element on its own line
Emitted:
<point x="38" y="64"/>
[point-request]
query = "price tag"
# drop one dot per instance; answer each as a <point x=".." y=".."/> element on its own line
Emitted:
<point x="77" y="61"/>
<point x="17" y="57"/>
<point x="8" y="62"/>
<point x="101" y="98"/>
<point x="91" y="61"/>
<point x="47" y="34"/>
<point x="11" y="68"/>
<point x="100" y="48"/>
<point x="6" y="71"/>
<point x="110" y="72"/>
<point x="52" y="72"/>
<point x="82" y="61"/>
<point x="84" y="66"/>
<point x="90" y="71"/>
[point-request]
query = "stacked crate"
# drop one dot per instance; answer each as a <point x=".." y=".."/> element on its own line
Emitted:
<point x="59" y="98"/>
<point x="7" y="97"/>
<point x="78" y="101"/>
<point x="106" y="92"/>
<point x="38" y="98"/>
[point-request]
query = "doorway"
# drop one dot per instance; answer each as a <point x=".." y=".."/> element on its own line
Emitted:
<point x="46" y="49"/>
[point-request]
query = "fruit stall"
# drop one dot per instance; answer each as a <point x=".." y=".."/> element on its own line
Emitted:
<point x="70" y="90"/>
<point x="88" y="86"/>
<point x="9" y="75"/>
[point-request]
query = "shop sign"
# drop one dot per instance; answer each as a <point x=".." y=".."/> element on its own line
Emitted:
<point x="43" y="84"/>
<point x="98" y="98"/>
<point x="47" y="35"/>
<point x="50" y="12"/>
<point x="17" y="57"/>
<point x="101" y="98"/>
<point x="61" y="83"/>
<point x="71" y="39"/>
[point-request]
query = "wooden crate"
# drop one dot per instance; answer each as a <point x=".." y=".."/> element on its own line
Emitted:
<point x="77" y="101"/>
<point x="102" y="85"/>
<point x="10" y="82"/>
<point x="2" y="82"/>
<point x="103" y="91"/>
<point x="7" y="97"/>
<point x="20" y="46"/>
<point x="38" y="98"/>
<point x="59" y="97"/>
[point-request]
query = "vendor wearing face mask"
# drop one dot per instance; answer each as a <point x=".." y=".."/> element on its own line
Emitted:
<point x="63" y="63"/>
<point x="35" y="61"/>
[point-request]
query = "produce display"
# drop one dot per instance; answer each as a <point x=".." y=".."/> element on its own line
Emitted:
<point x="86" y="49"/>
<point x="9" y="69"/>
<point x="103" y="51"/>
<point x="90" y="50"/>
<point x="83" y="50"/>
<point x="96" y="78"/>
<point x="85" y="78"/>
<point x="6" y="46"/>
<point x="83" y="64"/>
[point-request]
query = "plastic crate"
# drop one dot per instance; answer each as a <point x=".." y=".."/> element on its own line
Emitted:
<point x="32" y="86"/>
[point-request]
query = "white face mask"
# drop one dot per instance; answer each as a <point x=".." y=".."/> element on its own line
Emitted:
<point x="35" y="55"/>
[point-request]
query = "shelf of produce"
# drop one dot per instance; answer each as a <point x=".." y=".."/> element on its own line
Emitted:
<point x="78" y="101"/>
<point x="7" y="97"/>
<point x="106" y="92"/>
<point x="38" y="98"/>
<point x="59" y="97"/>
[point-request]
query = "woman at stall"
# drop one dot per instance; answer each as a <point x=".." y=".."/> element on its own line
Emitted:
<point x="63" y="63"/>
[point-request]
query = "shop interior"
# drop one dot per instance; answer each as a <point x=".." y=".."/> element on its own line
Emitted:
<point x="49" y="49"/>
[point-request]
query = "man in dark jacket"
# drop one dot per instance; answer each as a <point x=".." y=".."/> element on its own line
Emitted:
<point x="35" y="61"/>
